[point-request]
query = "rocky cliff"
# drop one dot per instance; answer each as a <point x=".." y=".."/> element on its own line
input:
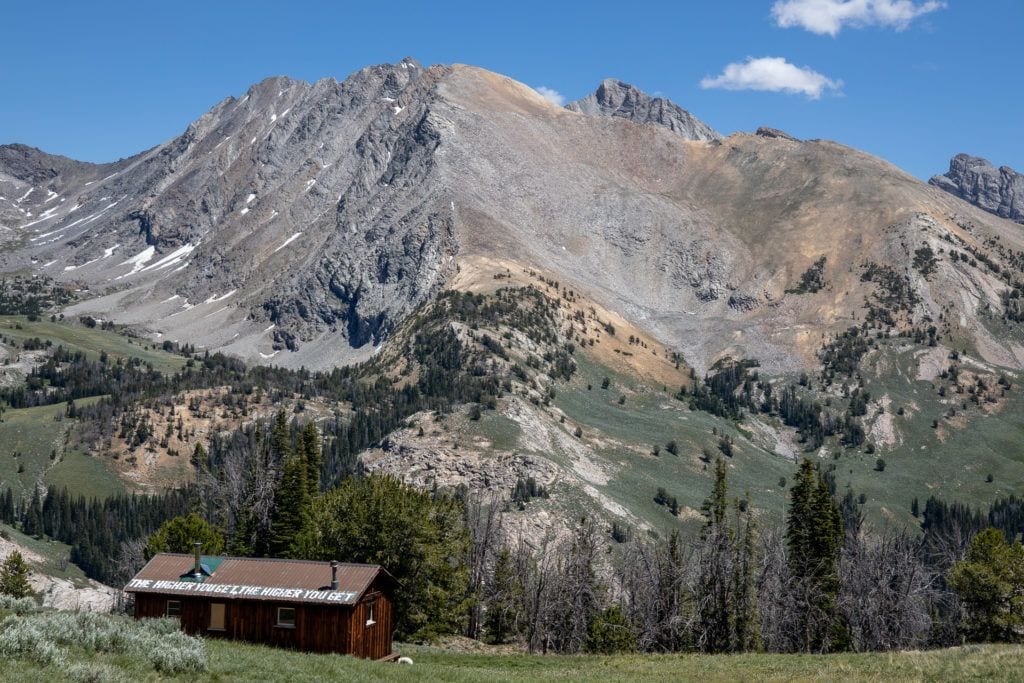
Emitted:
<point x="622" y="100"/>
<point x="976" y="180"/>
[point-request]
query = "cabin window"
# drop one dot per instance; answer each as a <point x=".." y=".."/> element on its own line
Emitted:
<point x="216" y="616"/>
<point x="173" y="608"/>
<point x="371" y="613"/>
<point x="286" y="617"/>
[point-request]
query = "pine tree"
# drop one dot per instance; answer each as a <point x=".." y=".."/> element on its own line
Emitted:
<point x="200" y="460"/>
<point x="670" y="579"/>
<point x="291" y="507"/>
<point x="715" y="506"/>
<point x="814" y="537"/>
<point x="280" y="438"/>
<point x="990" y="582"/>
<point x="309" y="446"/>
<point x="7" y="512"/>
<point x="14" y="576"/>
<point x="746" y="629"/>
<point x="714" y="587"/>
<point x="727" y="596"/>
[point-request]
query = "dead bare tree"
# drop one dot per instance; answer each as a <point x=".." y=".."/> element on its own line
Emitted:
<point x="484" y="521"/>
<point x="886" y="592"/>
<point x="578" y="594"/>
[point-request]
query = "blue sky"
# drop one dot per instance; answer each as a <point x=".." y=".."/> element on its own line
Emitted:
<point x="102" y="80"/>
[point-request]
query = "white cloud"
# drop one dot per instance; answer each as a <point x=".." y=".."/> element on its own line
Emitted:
<point x="773" y="74"/>
<point x="551" y="95"/>
<point x="829" y="16"/>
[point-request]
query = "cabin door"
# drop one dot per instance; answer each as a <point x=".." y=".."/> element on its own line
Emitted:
<point x="216" y="616"/>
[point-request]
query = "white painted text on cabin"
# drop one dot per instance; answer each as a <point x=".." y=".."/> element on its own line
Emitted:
<point x="239" y="591"/>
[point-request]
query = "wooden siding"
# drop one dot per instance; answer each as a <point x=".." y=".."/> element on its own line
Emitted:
<point x="318" y="628"/>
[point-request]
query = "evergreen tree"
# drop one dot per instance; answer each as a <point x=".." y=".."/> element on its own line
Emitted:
<point x="670" y="579"/>
<point x="746" y="629"/>
<point x="726" y="599"/>
<point x="178" y="535"/>
<point x="814" y="537"/>
<point x="280" y="438"/>
<point x="419" y="536"/>
<point x="990" y="581"/>
<point x="200" y="460"/>
<point x="715" y="506"/>
<point x="291" y="507"/>
<point x="14" y="576"/>
<point x="7" y="512"/>
<point x="309" y="446"/>
<point x="714" y="583"/>
<point x="609" y="633"/>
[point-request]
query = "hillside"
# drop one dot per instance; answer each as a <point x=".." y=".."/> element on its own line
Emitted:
<point x="571" y="311"/>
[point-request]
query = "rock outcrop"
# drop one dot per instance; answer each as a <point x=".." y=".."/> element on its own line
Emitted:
<point x="59" y="593"/>
<point x="622" y="100"/>
<point x="976" y="180"/>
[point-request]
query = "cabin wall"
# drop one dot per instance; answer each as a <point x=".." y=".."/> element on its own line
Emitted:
<point x="318" y="628"/>
<point x="372" y="641"/>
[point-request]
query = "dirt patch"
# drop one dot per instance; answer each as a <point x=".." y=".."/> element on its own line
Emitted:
<point x="931" y="362"/>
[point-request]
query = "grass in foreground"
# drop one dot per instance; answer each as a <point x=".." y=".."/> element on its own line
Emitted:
<point x="227" y="661"/>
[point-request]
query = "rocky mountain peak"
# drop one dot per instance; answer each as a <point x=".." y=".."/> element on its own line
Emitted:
<point x="620" y="99"/>
<point x="766" y="132"/>
<point x="978" y="181"/>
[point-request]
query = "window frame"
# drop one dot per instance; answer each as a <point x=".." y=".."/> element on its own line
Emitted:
<point x="177" y="609"/>
<point x="284" y="624"/>
<point x="371" y="612"/>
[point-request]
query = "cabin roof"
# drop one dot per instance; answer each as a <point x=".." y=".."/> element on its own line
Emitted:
<point x="256" y="578"/>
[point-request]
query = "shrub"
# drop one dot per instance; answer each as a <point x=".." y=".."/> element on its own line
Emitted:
<point x="42" y="636"/>
<point x="90" y="672"/>
<point x="18" y="605"/>
<point x="609" y="633"/>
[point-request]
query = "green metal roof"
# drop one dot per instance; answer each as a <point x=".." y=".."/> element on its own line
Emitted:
<point x="208" y="563"/>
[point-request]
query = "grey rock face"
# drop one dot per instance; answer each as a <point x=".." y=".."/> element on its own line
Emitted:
<point x="766" y="132"/>
<point x="297" y="213"/>
<point x="615" y="98"/>
<point x="996" y="190"/>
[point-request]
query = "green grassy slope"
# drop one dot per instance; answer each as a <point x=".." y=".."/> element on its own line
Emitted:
<point x="90" y="340"/>
<point x="951" y="462"/>
<point x="38" y="436"/>
<point x="651" y="415"/>
<point x="54" y="553"/>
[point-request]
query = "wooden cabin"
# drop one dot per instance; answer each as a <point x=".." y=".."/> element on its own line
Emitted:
<point x="309" y="606"/>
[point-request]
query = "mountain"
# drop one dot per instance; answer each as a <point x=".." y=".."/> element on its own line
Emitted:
<point x="614" y="98"/>
<point x="301" y="223"/>
<point x="599" y="299"/>
<point x="976" y="180"/>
